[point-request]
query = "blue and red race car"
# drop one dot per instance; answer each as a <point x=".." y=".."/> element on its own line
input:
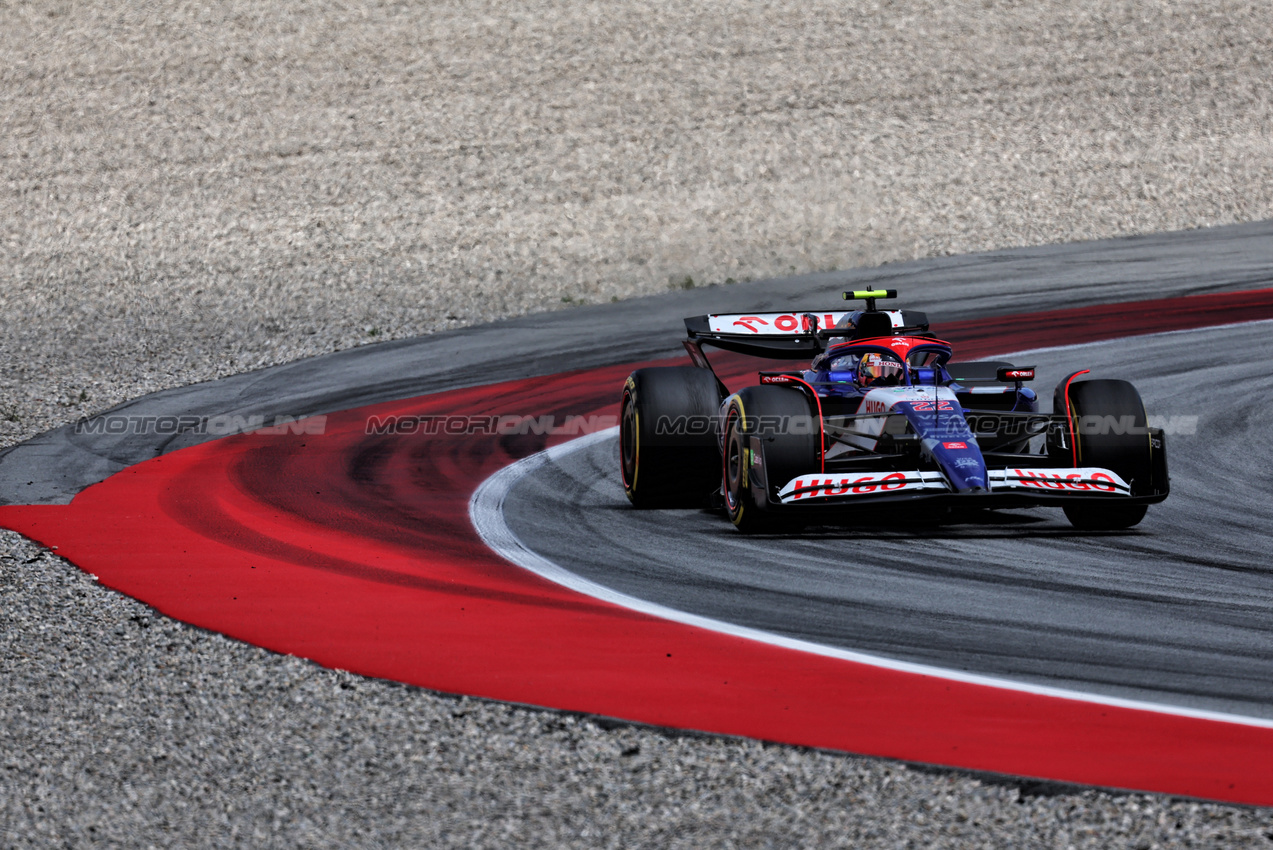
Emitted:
<point x="881" y="415"/>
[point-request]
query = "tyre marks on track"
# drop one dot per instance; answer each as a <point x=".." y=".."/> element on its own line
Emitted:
<point x="355" y="549"/>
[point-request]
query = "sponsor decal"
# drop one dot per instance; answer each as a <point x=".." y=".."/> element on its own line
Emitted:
<point x="966" y="462"/>
<point x="816" y="487"/>
<point x="872" y="405"/>
<point x="775" y="379"/>
<point x="747" y="322"/>
<point x="826" y="321"/>
<point x="858" y="484"/>
<point x="770" y="323"/>
<point x="955" y="446"/>
<point x="1074" y="480"/>
<point x="948" y="428"/>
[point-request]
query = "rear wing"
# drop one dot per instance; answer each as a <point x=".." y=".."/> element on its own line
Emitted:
<point x="790" y="336"/>
<point x="795" y="336"/>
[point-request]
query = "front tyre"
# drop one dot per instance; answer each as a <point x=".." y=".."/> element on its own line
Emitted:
<point x="771" y="436"/>
<point x="1110" y="431"/>
<point x="744" y="513"/>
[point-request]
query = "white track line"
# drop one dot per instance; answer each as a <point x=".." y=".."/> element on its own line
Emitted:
<point x="486" y="511"/>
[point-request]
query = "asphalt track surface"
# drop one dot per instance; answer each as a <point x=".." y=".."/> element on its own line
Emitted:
<point x="1177" y="611"/>
<point x="51" y="469"/>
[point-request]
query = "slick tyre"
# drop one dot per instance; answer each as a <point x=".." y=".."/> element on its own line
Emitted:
<point x="771" y="436"/>
<point x="668" y="447"/>
<point x="1109" y="425"/>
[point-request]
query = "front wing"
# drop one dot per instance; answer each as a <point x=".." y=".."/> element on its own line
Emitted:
<point x="1078" y="482"/>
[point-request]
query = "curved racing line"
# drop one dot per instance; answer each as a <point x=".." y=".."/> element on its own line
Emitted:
<point x="355" y="548"/>
<point x="486" y="509"/>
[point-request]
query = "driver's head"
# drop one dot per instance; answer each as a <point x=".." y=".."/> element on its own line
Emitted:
<point x="875" y="370"/>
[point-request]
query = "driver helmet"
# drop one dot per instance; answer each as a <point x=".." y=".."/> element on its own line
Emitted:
<point x="875" y="370"/>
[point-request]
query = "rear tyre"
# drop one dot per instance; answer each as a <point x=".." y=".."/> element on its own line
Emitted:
<point x="771" y="436"/>
<point x="668" y="449"/>
<point x="1110" y="431"/>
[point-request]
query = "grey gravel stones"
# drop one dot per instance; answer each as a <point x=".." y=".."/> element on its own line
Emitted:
<point x="192" y="191"/>
<point x="195" y="190"/>
<point x="121" y="727"/>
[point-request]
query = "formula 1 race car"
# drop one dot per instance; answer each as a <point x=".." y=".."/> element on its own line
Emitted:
<point x="881" y="415"/>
